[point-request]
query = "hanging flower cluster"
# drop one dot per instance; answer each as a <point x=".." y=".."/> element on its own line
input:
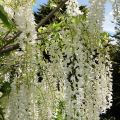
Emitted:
<point x="73" y="67"/>
<point x="116" y="8"/>
<point x="73" y="8"/>
<point x="25" y="22"/>
<point x="22" y="101"/>
<point x="96" y="14"/>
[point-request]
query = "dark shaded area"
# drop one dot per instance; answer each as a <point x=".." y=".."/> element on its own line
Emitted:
<point x="72" y="74"/>
<point x="40" y="78"/>
<point x="46" y="56"/>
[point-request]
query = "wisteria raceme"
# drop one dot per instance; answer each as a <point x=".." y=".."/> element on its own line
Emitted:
<point x="105" y="78"/>
<point x="25" y="21"/>
<point x="97" y="12"/>
<point x="23" y="93"/>
<point x="116" y="8"/>
<point x="7" y="77"/>
<point x="73" y="8"/>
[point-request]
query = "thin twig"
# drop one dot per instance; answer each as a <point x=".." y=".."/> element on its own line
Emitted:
<point x="6" y="35"/>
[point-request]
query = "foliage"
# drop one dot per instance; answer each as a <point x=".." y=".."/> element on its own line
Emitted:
<point x="58" y="115"/>
<point x="4" y="17"/>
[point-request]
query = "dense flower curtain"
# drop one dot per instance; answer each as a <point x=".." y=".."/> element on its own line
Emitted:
<point x="22" y="103"/>
<point x="78" y="75"/>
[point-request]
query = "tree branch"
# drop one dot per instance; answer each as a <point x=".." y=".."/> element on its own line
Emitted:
<point x="9" y="48"/>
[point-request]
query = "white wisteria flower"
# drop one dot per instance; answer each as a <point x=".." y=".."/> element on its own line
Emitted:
<point x="73" y="8"/>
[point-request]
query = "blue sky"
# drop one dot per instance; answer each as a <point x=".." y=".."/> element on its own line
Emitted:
<point x="107" y="25"/>
<point x="38" y="2"/>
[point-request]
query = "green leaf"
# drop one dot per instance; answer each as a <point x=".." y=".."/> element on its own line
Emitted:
<point x="4" y="17"/>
